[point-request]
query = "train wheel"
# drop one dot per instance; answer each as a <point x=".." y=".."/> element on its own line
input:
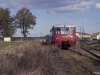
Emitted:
<point x="64" y="45"/>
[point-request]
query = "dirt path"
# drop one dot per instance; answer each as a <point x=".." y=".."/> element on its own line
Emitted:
<point x="62" y="65"/>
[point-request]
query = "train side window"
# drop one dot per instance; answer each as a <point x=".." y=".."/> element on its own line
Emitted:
<point x="57" y="30"/>
<point x="72" y="29"/>
<point x="65" y="30"/>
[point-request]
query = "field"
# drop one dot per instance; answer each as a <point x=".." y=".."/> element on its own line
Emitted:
<point x="33" y="58"/>
<point x="96" y="46"/>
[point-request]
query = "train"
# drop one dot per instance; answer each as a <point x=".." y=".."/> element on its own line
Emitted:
<point x="63" y="36"/>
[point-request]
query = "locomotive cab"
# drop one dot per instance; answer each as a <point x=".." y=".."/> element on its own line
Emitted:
<point x="63" y="35"/>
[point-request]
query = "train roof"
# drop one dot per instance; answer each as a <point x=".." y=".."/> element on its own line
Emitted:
<point x="64" y="25"/>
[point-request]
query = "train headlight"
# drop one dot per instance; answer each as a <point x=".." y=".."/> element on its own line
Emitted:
<point x="71" y="36"/>
<point x="56" y="38"/>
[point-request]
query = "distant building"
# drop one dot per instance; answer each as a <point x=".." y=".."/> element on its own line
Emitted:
<point x="96" y="35"/>
<point x="83" y="35"/>
<point x="7" y="39"/>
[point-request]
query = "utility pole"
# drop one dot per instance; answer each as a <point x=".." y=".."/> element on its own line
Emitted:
<point x="82" y="31"/>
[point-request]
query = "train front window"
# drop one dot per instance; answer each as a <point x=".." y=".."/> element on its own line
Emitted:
<point x="72" y="29"/>
<point x="57" y="30"/>
<point x="65" y="30"/>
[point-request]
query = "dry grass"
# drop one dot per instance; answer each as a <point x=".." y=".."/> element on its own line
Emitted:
<point x="27" y="59"/>
<point x="8" y="45"/>
<point x="32" y="58"/>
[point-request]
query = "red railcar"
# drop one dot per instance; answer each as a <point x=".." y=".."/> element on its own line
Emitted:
<point x="63" y="35"/>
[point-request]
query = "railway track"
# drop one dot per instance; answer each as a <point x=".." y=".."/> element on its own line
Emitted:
<point x="86" y="53"/>
<point x="89" y="51"/>
<point x="77" y="60"/>
<point x="92" y="53"/>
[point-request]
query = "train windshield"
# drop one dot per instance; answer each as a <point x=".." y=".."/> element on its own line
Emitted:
<point x="57" y="30"/>
<point x="72" y="29"/>
<point x="65" y="30"/>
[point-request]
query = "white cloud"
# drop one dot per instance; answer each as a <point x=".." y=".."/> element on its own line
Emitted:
<point x="97" y="5"/>
<point x="53" y="6"/>
<point x="81" y="6"/>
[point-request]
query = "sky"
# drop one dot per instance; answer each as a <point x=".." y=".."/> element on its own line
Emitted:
<point x="81" y="13"/>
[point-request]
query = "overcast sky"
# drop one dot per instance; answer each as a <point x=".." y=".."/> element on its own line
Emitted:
<point x="82" y="13"/>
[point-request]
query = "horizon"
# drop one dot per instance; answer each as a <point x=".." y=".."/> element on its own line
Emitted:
<point x="81" y="13"/>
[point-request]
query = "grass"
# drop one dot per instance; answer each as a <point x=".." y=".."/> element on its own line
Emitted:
<point x="27" y="59"/>
<point x="32" y="58"/>
<point x="7" y="45"/>
<point x="96" y="46"/>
